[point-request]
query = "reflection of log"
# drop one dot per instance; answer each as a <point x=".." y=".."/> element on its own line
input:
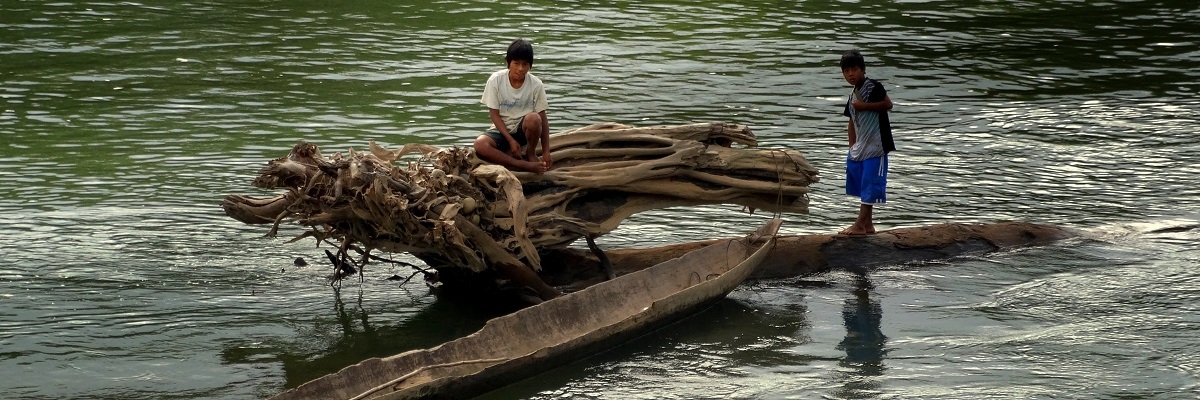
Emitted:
<point x="452" y="211"/>
<point x="809" y="254"/>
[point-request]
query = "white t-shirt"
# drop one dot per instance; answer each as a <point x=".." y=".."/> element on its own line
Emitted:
<point x="514" y="103"/>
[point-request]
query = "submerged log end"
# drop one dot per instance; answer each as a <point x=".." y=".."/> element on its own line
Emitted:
<point x="930" y="242"/>
<point x="997" y="235"/>
<point x="1009" y="234"/>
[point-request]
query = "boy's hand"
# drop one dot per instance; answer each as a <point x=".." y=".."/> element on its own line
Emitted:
<point x="546" y="160"/>
<point x="514" y="149"/>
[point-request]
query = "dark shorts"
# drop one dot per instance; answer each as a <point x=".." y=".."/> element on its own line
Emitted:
<point x="867" y="179"/>
<point x="502" y="143"/>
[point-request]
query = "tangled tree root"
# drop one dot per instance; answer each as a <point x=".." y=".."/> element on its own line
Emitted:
<point x="452" y="210"/>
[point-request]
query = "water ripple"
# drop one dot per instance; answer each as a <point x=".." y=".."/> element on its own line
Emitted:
<point x="122" y="125"/>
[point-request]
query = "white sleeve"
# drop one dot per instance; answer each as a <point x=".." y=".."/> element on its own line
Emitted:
<point x="491" y="93"/>
<point x="540" y="103"/>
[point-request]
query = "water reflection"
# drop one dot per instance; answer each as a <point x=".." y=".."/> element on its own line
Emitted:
<point x="726" y="351"/>
<point x="121" y="125"/>
<point x="863" y="344"/>
<point x="349" y="336"/>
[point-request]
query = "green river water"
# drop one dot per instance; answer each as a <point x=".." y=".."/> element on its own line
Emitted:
<point x="123" y="124"/>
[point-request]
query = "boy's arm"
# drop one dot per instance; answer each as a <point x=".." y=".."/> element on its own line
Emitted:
<point x="877" y="100"/>
<point x="884" y="105"/>
<point x="513" y="147"/>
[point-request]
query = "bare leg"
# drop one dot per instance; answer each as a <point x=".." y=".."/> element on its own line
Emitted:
<point x="863" y="224"/>
<point x="485" y="149"/>
<point x="864" y="218"/>
<point x="531" y="126"/>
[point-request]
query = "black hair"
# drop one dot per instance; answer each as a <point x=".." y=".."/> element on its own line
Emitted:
<point x="851" y="59"/>
<point x="521" y="50"/>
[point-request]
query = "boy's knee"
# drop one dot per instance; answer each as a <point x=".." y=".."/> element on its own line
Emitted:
<point x="484" y="141"/>
<point x="484" y="145"/>
<point x="532" y="122"/>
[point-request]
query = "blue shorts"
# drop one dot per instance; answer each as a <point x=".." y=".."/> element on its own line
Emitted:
<point x="867" y="179"/>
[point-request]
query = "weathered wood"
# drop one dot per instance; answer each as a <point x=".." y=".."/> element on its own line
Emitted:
<point x="810" y="254"/>
<point x="504" y="262"/>
<point x="538" y="338"/>
<point x="448" y="207"/>
<point x="605" y="264"/>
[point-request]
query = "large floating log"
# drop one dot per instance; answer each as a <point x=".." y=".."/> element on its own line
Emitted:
<point x="811" y="254"/>
<point x="453" y="211"/>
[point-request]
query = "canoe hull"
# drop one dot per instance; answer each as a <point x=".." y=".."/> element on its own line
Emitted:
<point x="539" y="338"/>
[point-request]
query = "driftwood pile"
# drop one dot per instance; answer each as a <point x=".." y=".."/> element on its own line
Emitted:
<point x="449" y="209"/>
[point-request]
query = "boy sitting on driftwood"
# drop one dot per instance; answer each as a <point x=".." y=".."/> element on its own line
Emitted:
<point x="516" y="101"/>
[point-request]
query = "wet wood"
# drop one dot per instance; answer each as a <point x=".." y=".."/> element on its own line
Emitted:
<point x="559" y="331"/>
<point x="448" y="208"/>
<point x="810" y="254"/>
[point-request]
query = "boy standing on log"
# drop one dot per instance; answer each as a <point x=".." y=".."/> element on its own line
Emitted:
<point x="516" y="102"/>
<point x="870" y="135"/>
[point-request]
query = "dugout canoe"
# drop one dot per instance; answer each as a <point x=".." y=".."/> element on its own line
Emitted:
<point x="541" y="337"/>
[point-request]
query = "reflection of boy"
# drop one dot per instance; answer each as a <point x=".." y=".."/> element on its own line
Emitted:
<point x="516" y="102"/>
<point x="864" y="341"/>
<point x="870" y="135"/>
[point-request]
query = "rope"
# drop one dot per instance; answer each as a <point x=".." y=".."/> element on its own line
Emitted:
<point x="779" y="181"/>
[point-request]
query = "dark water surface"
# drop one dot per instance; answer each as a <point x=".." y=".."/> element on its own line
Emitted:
<point x="122" y="124"/>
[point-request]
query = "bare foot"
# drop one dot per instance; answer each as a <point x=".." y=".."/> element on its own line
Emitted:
<point x="534" y="158"/>
<point x="531" y="166"/>
<point x="857" y="231"/>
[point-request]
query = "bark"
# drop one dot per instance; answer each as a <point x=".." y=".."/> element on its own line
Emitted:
<point x="810" y="254"/>
<point x="446" y="206"/>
